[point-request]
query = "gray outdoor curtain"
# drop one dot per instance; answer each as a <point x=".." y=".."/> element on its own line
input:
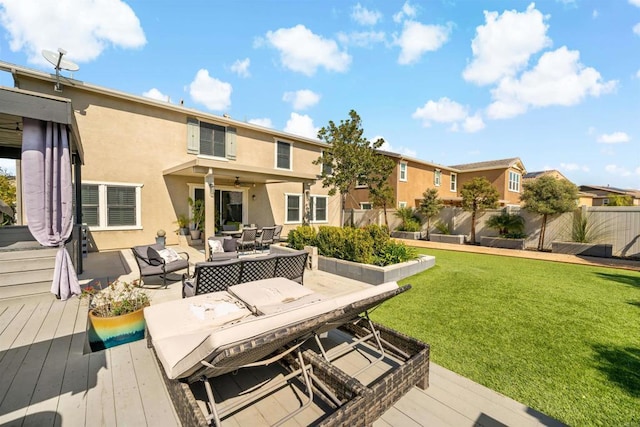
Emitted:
<point x="47" y="195"/>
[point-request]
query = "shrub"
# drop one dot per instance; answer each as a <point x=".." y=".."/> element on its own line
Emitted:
<point x="409" y="219"/>
<point x="394" y="253"/>
<point x="443" y="227"/>
<point x="506" y="224"/>
<point x="379" y="234"/>
<point x="330" y="241"/>
<point x="302" y="236"/>
<point x="358" y="245"/>
<point x="411" y="225"/>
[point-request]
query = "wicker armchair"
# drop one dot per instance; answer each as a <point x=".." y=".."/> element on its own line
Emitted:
<point x="155" y="266"/>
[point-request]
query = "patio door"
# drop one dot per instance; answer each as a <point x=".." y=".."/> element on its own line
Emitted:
<point x="229" y="207"/>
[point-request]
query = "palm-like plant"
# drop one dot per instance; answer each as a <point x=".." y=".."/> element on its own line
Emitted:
<point x="409" y="221"/>
<point x="506" y="224"/>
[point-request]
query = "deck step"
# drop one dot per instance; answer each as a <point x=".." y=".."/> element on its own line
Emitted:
<point x="26" y="273"/>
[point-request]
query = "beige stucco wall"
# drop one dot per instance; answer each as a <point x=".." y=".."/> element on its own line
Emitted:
<point x="132" y="143"/>
<point x="499" y="178"/>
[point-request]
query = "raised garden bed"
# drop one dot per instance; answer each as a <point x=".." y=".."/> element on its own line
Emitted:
<point x="602" y="250"/>
<point x="457" y="239"/>
<point x="409" y="235"/>
<point x="501" y="242"/>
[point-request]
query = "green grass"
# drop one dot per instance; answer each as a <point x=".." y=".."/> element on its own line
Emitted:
<point x="563" y="339"/>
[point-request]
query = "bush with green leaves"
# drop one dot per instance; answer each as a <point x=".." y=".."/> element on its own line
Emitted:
<point x="330" y="241"/>
<point x="358" y="245"/>
<point x="507" y="225"/>
<point x="394" y="253"/>
<point x="409" y="220"/>
<point x="443" y="227"/>
<point x="302" y="236"/>
<point x="379" y="234"/>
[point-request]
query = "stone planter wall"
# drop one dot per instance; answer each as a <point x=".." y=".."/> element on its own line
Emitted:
<point x="602" y="250"/>
<point x="367" y="273"/>
<point x="457" y="239"/>
<point x="410" y="235"/>
<point x="500" y="242"/>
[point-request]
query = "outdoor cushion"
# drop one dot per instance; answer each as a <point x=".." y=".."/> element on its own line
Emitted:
<point x="216" y="246"/>
<point x="229" y="245"/>
<point x="153" y="256"/>
<point x="276" y="290"/>
<point x="169" y="255"/>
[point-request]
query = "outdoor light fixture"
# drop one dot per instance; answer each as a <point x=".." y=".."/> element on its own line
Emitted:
<point x="253" y="197"/>
<point x="209" y="180"/>
<point x="237" y="182"/>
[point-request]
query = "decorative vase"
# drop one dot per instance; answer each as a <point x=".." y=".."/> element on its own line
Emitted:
<point x="107" y="332"/>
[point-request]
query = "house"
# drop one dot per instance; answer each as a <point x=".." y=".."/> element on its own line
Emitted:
<point x="601" y="194"/>
<point x="143" y="160"/>
<point x="411" y="177"/>
<point x="584" y="198"/>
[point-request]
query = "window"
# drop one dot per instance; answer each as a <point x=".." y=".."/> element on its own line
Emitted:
<point x="403" y="171"/>
<point x="111" y="206"/>
<point x="402" y="204"/>
<point x="514" y="181"/>
<point x="283" y="155"/>
<point x="366" y="206"/>
<point x="318" y="208"/>
<point x="212" y="140"/>
<point x="454" y="182"/>
<point x="326" y="169"/>
<point x="293" y="208"/>
<point x="361" y="184"/>
<point x="437" y="178"/>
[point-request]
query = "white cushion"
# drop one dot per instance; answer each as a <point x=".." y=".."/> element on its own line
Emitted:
<point x="216" y="246"/>
<point x="169" y="255"/>
<point x="276" y="290"/>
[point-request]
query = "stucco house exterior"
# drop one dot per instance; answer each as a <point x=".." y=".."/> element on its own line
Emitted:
<point x="584" y="198"/>
<point x="601" y="194"/>
<point x="411" y="177"/>
<point x="144" y="158"/>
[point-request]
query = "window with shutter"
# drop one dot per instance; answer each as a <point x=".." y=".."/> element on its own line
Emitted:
<point x="293" y="208"/>
<point x="212" y="140"/>
<point x="111" y="206"/>
<point x="121" y="206"/>
<point x="283" y="155"/>
<point x="231" y="143"/>
<point x="90" y="205"/>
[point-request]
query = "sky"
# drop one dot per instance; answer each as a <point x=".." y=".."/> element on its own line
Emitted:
<point x="555" y="82"/>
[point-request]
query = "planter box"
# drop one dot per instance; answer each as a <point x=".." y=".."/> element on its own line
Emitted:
<point x="602" y="250"/>
<point x="500" y="242"/>
<point x="457" y="239"/>
<point x="373" y="274"/>
<point x="410" y="235"/>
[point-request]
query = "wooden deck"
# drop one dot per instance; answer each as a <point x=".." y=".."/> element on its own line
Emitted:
<point x="46" y="379"/>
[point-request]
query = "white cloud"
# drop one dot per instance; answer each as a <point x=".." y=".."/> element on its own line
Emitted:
<point x="614" y="138"/>
<point x="407" y="11"/>
<point x="264" y="122"/>
<point x="571" y="167"/>
<point x="362" y="38"/>
<point x="558" y="79"/>
<point x="154" y="93"/>
<point x="304" y="52"/>
<point x="400" y="150"/>
<point x="635" y="2"/>
<point x="595" y="14"/>
<point x="302" y="125"/>
<point x="617" y="170"/>
<point x="417" y="38"/>
<point x="84" y="28"/>
<point x="301" y="99"/>
<point x="364" y="16"/>
<point x="638" y="74"/>
<point x="443" y="111"/>
<point x="241" y="67"/>
<point x="9" y="165"/>
<point x="210" y="92"/>
<point x="473" y="124"/>
<point x="503" y="46"/>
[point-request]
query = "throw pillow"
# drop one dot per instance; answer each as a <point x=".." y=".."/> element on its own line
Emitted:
<point x="229" y="245"/>
<point x="216" y="246"/>
<point x="169" y="255"/>
<point x="153" y="256"/>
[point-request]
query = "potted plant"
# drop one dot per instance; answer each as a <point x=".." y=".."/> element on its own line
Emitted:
<point x="183" y="224"/>
<point x="197" y="217"/>
<point x="510" y="229"/>
<point x="410" y="226"/>
<point x="115" y="314"/>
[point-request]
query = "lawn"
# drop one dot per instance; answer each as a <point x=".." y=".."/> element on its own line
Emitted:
<point x="563" y="339"/>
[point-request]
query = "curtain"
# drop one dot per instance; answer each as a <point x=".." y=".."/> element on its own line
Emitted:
<point x="47" y="194"/>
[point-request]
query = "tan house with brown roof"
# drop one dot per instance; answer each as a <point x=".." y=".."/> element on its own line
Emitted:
<point x="601" y="194"/>
<point x="411" y="177"/>
<point x="144" y="158"/>
<point x="584" y="198"/>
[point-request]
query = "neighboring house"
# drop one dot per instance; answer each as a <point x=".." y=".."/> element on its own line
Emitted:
<point x="584" y="198"/>
<point x="144" y="158"/>
<point x="601" y="194"/>
<point x="411" y="177"/>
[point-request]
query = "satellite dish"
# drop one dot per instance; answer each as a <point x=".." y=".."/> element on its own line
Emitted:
<point x="60" y="64"/>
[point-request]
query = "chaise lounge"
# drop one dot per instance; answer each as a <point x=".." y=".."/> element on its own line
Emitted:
<point x="200" y="338"/>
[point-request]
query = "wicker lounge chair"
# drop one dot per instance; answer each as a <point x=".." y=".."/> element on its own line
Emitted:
<point x="247" y="239"/>
<point x="266" y="238"/>
<point x="193" y="351"/>
<point x="150" y="264"/>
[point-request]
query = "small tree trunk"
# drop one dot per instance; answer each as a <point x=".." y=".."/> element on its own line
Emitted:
<point x="386" y="220"/>
<point x="428" y="227"/>
<point x="343" y="203"/>
<point x="543" y="228"/>
<point x="473" y="227"/>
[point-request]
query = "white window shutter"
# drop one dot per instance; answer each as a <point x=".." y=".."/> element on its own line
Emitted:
<point x="231" y="143"/>
<point x="193" y="136"/>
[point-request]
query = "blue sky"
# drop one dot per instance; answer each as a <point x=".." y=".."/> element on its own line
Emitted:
<point x="556" y="83"/>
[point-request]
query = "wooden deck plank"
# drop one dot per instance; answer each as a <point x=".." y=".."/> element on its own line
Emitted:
<point x="128" y="403"/>
<point x="16" y="323"/>
<point x="8" y="313"/>
<point x="72" y="402"/>
<point x="101" y="408"/>
<point x="394" y="417"/>
<point x="425" y="410"/>
<point x="158" y="408"/>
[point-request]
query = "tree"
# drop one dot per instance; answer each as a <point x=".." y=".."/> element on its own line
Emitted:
<point x="548" y="196"/>
<point x="349" y="158"/>
<point x="478" y="195"/>
<point x="620" y="200"/>
<point x="430" y="206"/>
<point x="382" y="197"/>
<point x="7" y="195"/>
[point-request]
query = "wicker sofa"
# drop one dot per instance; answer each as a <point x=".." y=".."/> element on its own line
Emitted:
<point x="219" y="275"/>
